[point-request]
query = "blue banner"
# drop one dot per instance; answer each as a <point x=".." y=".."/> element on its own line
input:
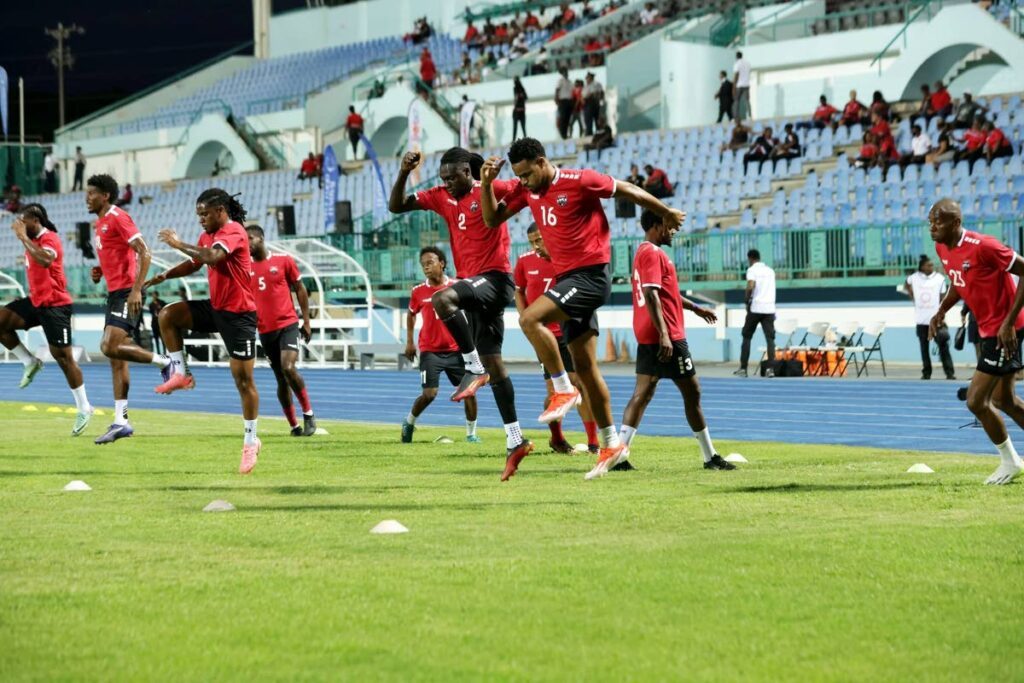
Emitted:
<point x="380" y="201"/>
<point x="3" y="98"/>
<point x="330" y="191"/>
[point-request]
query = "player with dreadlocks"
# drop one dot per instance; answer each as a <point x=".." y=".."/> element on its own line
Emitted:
<point x="231" y="309"/>
<point x="484" y="289"/>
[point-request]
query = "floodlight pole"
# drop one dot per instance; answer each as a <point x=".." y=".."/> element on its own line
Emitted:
<point x="62" y="58"/>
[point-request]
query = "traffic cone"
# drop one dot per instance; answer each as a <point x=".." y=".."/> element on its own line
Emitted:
<point x="609" y="348"/>
<point x="624" y="353"/>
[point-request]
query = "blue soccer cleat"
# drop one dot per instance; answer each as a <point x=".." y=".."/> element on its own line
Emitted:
<point x="115" y="432"/>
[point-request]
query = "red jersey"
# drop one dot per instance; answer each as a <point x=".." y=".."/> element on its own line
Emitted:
<point x="475" y="247"/>
<point x="996" y="139"/>
<point x="272" y="280"/>
<point x="534" y="275"/>
<point x="824" y="112"/>
<point x="657" y="175"/>
<point x="851" y="111"/>
<point x="47" y="286"/>
<point x="653" y="268"/>
<point x="570" y="217"/>
<point x="434" y="336"/>
<point x="354" y="121"/>
<point x="868" y="150"/>
<point x="979" y="269"/>
<point x="230" y="281"/>
<point x="973" y="139"/>
<point x="940" y="99"/>
<point x="118" y="261"/>
<point x="888" y="148"/>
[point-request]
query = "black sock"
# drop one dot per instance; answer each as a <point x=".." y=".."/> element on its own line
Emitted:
<point x="505" y="397"/>
<point x="458" y="325"/>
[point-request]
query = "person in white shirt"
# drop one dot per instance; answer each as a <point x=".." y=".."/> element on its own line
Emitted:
<point x="741" y="87"/>
<point x="920" y="146"/>
<point x="760" y="298"/>
<point x="563" y="99"/>
<point x="926" y="289"/>
<point x="49" y="172"/>
<point x="648" y="14"/>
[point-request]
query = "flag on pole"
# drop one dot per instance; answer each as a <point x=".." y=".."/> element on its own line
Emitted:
<point x="330" y="191"/>
<point x="3" y="98"/>
<point x="380" y="199"/>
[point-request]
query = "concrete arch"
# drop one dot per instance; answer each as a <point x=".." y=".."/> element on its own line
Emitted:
<point x="389" y="137"/>
<point x="210" y="154"/>
<point x="937" y="66"/>
<point x="207" y="140"/>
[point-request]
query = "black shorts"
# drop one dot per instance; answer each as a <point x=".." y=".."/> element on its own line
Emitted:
<point x="431" y="365"/>
<point x="238" y="330"/>
<point x="995" y="361"/>
<point x="680" y="365"/>
<point x="55" y="320"/>
<point x="563" y="351"/>
<point x="579" y="293"/>
<point x="484" y="297"/>
<point x="278" y="341"/>
<point x="117" y="311"/>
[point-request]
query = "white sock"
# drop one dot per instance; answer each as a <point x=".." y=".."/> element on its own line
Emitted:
<point x="121" y="412"/>
<point x="178" y="362"/>
<point x="410" y="418"/>
<point x="160" y="361"/>
<point x="308" y="414"/>
<point x="706" y="448"/>
<point x="470" y="427"/>
<point x="626" y="434"/>
<point x="81" y="400"/>
<point x="473" y="363"/>
<point x="513" y="435"/>
<point x="250" y="432"/>
<point x="1007" y="452"/>
<point x="23" y="354"/>
<point x="609" y="437"/>
<point x="561" y="383"/>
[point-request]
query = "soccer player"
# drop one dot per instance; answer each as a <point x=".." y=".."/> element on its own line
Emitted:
<point x="48" y="304"/>
<point x="124" y="262"/>
<point x="231" y="309"/>
<point x="274" y="278"/>
<point x="566" y="205"/>
<point x="438" y="351"/>
<point x="534" y="275"/>
<point x="980" y="270"/>
<point x="485" y="287"/>
<point x="662" y="351"/>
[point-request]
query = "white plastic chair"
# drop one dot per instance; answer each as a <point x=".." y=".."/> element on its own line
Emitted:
<point x="786" y="327"/>
<point x="874" y="330"/>
<point x="846" y="334"/>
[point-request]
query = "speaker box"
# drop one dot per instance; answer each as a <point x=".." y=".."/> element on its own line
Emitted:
<point x="285" y="216"/>
<point x="343" y="218"/>
<point x="84" y="239"/>
<point x="625" y="209"/>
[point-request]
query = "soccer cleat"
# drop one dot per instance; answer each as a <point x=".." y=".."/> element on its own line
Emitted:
<point x="624" y="466"/>
<point x="115" y="432"/>
<point x="514" y="457"/>
<point x="296" y="430"/>
<point x="742" y="372"/>
<point x="1006" y="473"/>
<point x="469" y="385"/>
<point x="953" y="377"/>
<point x="926" y="375"/>
<point x="407" y="430"/>
<point x="250" y="454"/>
<point x="594" y="449"/>
<point x="473" y="438"/>
<point x="308" y="425"/>
<point x="31" y="370"/>
<point x="559" y="405"/>
<point x="177" y="382"/>
<point x="563" y="447"/>
<point x="769" y="372"/>
<point x="717" y="462"/>
<point x="607" y="459"/>
<point x="81" y="422"/>
<point x="166" y="371"/>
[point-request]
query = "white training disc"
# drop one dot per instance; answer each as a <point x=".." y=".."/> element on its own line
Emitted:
<point x="443" y="439"/>
<point x="389" y="526"/>
<point x="735" y="457"/>
<point x="77" y="485"/>
<point x="219" y="506"/>
<point x="920" y="468"/>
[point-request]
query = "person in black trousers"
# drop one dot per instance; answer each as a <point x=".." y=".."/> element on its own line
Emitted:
<point x="518" y="107"/>
<point x="925" y="287"/>
<point x="724" y="97"/>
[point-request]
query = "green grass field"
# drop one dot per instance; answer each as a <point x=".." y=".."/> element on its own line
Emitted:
<point x="810" y="563"/>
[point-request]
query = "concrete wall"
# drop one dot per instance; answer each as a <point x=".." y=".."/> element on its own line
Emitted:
<point x="689" y="81"/>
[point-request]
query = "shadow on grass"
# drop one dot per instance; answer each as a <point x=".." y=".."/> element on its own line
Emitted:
<point x="288" y="490"/>
<point x="793" y="487"/>
<point x="359" y="507"/>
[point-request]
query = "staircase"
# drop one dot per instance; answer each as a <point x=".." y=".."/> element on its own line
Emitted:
<point x="975" y="58"/>
<point x="270" y="159"/>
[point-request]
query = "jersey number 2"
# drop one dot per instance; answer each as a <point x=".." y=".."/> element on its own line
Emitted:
<point x="462" y="221"/>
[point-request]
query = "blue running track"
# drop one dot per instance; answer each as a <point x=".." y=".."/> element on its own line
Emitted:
<point x="910" y="415"/>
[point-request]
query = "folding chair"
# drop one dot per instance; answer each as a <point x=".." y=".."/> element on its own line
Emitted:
<point x="788" y="327"/>
<point x="874" y="330"/>
<point x="819" y="330"/>
<point x="846" y="334"/>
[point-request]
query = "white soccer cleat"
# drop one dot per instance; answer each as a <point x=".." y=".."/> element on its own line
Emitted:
<point x="1006" y="473"/>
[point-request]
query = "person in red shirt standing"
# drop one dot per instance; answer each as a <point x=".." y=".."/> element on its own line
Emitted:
<point x="354" y="125"/>
<point x="274" y="278"/>
<point x="566" y="205"/>
<point x="981" y="271"/>
<point x="662" y="351"/>
<point x="231" y="309"/>
<point x="48" y="305"/>
<point x="534" y="275"/>
<point x="124" y="263"/>
<point x="428" y="70"/>
<point x="485" y="287"/>
<point x="438" y="351"/>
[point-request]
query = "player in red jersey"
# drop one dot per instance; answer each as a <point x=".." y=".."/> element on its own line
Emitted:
<point x="438" y="351"/>
<point x="534" y="275"/>
<point x="484" y="288"/>
<point x="980" y="269"/>
<point x="662" y="350"/>
<point x="231" y="309"/>
<point x="566" y="206"/>
<point x="274" y="278"/>
<point x="48" y="305"/>
<point x="124" y="262"/>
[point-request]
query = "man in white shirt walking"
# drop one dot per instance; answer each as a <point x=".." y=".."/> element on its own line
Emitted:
<point x="49" y="172"/>
<point x="760" y="310"/>
<point x="741" y="87"/>
<point x="563" y="100"/>
<point x="926" y="289"/>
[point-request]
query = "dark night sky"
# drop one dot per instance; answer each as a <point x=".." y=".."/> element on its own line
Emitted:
<point x="127" y="46"/>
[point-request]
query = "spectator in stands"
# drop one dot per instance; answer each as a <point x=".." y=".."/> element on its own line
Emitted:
<point x="974" y="143"/>
<point x="888" y="154"/>
<point x="741" y="87"/>
<point x="724" y="96"/>
<point x="564" y="102"/>
<point x="926" y="288"/>
<point x="49" y="172"/>
<point x="941" y="102"/>
<point x="587" y="12"/>
<point x="621" y="41"/>
<point x="501" y="34"/>
<point x="593" y="49"/>
<point x="421" y="32"/>
<point x="156" y="304"/>
<point x="635" y="176"/>
<point x="879" y="105"/>
<point x="967" y="110"/>
<point x="943" y="150"/>
<point x="519" y="46"/>
<point x="428" y="70"/>
<point x="577" y="107"/>
<point x="760" y="150"/>
<point x="788" y="147"/>
<point x="540" y="62"/>
<point x="920" y="146"/>
<point x="531" y="22"/>
<point x="822" y="116"/>
<point x="13" y="200"/>
<point x="567" y="15"/>
<point x="307" y="171"/>
<point x="79" y="169"/>
<point x="603" y="138"/>
<point x="880" y="127"/>
<point x="354" y="126"/>
<point x="854" y="111"/>
<point x="518" y="107"/>
<point x="126" y="196"/>
<point x="868" y="154"/>
<point x="657" y="182"/>
<point x="996" y="143"/>
<point x="924" y="109"/>
<point x="649" y="14"/>
<point x="739" y="138"/>
<point x="489" y="30"/>
<point x="593" y="101"/>
<point x="472" y="36"/>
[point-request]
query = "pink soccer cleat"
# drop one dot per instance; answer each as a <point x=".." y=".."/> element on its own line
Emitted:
<point x="559" y="405"/>
<point x="177" y="382"/>
<point x="250" y="454"/>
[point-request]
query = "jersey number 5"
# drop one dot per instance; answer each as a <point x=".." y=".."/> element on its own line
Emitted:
<point x="261" y="283"/>
<point x="958" y="278"/>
